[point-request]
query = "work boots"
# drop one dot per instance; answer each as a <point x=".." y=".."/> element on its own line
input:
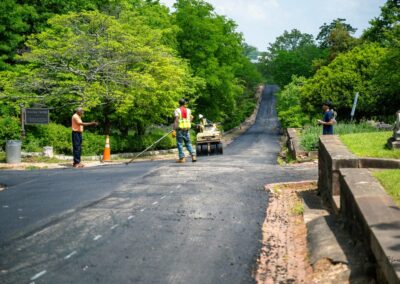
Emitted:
<point x="183" y="160"/>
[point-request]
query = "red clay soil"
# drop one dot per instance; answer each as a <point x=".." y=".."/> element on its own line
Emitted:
<point x="284" y="255"/>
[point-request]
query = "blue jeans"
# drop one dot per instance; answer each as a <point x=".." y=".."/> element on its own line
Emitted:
<point x="183" y="136"/>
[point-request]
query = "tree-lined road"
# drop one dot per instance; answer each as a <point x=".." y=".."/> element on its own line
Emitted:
<point x="152" y="222"/>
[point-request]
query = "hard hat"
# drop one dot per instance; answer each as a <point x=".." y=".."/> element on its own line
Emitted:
<point x="200" y="116"/>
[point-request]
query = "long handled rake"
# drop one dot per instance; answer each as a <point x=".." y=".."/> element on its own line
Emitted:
<point x="145" y="150"/>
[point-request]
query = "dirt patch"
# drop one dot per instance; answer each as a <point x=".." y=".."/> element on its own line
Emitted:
<point x="292" y="254"/>
<point x="284" y="255"/>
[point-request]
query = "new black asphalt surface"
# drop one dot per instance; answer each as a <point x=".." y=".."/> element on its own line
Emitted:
<point x="152" y="222"/>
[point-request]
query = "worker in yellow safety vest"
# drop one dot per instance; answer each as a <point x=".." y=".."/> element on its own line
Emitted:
<point x="182" y="125"/>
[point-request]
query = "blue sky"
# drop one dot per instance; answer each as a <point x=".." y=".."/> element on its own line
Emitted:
<point x="261" y="21"/>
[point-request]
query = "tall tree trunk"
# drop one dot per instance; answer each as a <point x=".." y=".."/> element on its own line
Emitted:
<point x="140" y="129"/>
<point x="107" y="123"/>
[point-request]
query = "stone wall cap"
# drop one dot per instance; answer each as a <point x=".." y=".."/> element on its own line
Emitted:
<point x="361" y="183"/>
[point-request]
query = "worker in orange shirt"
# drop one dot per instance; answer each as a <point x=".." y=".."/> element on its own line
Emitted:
<point x="77" y="129"/>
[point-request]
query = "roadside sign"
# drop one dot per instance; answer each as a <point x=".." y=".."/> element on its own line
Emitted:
<point x="37" y="116"/>
<point x="353" y="110"/>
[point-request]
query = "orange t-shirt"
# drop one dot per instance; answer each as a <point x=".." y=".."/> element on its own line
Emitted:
<point x="76" y="119"/>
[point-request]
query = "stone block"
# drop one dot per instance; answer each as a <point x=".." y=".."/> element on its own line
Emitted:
<point x="373" y="217"/>
<point x="393" y="143"/>
<point x="377" y="163"/>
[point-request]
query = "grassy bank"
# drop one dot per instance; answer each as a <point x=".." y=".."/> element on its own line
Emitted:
<point x="370" y="144"/>
<point x="310" y="134"/>
<point x="390" y="180"/>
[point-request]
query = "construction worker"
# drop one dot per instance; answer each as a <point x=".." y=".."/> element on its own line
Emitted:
<point x="203" y="122"/>
<point x="77" y="129"/>
<point x="182" y="125"/>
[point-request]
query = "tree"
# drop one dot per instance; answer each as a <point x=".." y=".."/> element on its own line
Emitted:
<point x="288" y="104"/>
<point x="250" y="52"/>
<point x="290" y="41"/>
<point x="325" y="32"/>
<point x="13" y="26"/>
<point x="293" y="53"/>
<point x="386" y="83"/>
<point x="116" y="67"/>
<point x="388" y="19"/>
<point x="214" y="51"/>
<point x="20" y="18"/>
<point x="347" y="74"/>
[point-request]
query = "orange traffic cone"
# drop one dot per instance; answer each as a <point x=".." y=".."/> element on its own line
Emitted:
<point x="107" y="150"/>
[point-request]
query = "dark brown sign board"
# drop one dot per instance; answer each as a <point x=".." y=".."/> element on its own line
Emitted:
<point x="37" y="116"/>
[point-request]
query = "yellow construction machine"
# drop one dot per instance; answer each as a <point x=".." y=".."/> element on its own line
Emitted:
<point x="209" y="138"/>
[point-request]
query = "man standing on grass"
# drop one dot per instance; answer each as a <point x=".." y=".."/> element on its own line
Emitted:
<point x="182" y="125"/>
<point x="328" y="119"/>
<point x="77" y="129"/>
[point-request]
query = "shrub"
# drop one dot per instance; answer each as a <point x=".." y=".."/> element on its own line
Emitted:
<point x="290" y="113"/>
<point x="10" y="129"/>
<point x="59" y="137"/>
<point x="310" y="134"/>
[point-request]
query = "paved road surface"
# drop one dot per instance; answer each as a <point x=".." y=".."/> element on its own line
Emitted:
<point x="153" y="222"/>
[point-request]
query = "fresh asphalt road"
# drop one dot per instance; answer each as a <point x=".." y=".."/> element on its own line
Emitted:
<point x="152" y="222"/>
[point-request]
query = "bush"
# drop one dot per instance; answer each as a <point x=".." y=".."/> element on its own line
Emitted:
<point x="93" y="144"/>
<point x="55" y="135"/>
<point x="10" y="129"/>
<point x="310" y="134"/>
<point x="59" y="137"/>
<point x="290" y="113"/>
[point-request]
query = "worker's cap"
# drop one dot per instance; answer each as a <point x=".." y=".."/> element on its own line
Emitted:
<point x="182" y="102"/>
<point x="200" y="116"/>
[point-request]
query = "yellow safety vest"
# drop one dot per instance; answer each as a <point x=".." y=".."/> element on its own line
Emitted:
<point x="184" y="123"/>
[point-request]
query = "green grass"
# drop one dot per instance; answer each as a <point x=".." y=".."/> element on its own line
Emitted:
<point x="390" y="180"/>
<point x="298" y="208"/>
<point x="370" y="144"/>
<point x="310" y="134"/>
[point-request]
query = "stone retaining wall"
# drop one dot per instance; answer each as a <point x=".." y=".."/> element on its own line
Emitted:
<point x="373" y="217"/>
<point x="296" y="151"/>
<point x="348" y="187"/>
<point x="333" y="155"/>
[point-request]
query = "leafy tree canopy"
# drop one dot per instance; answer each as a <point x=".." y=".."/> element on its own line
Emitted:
<point x="348" y="73"/>
<point x="388" y="19"/>
<point x="215" y="52"/>
<point x="290" y="41"/>
<point x="293" y="53"/>
<point x="119" y="68"/>
<point x="325" y="38"/>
